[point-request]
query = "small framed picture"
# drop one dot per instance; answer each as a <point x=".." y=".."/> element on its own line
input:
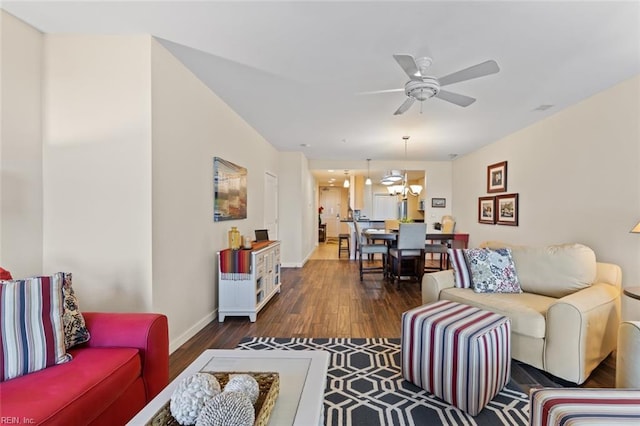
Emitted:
<point x="487" y="210"/>
<point x="439" y="202"/>
<point x="507" y="209"/>
<point x="497" y="177"/>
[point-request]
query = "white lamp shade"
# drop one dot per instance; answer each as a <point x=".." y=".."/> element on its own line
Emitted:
<point x="368" y="181"/>
<point x="415" y="189"/>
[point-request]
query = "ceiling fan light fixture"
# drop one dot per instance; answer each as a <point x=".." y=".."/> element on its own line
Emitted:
<point x="422" y="90"/>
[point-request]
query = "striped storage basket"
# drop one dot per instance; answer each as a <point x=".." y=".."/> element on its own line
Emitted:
<point x="582" y="406"/>
<point x="459" y="353"/>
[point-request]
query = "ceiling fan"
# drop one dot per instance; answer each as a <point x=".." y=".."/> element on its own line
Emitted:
<point x="421" y="86"/>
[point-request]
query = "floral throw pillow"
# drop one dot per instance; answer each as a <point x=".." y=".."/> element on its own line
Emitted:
<point x="75" y="329"/>
<point x="493" y="271"/>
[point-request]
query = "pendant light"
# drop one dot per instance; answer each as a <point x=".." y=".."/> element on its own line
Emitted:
<point x="346" y="183"/>
<point x="368" y="181"/>
<point x="404" y="188"/>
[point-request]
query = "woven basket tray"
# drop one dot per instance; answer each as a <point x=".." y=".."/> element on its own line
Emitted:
<point x="269" y="384"/>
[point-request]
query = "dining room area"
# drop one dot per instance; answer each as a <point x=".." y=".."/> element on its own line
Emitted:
<point x="394" y="251"/>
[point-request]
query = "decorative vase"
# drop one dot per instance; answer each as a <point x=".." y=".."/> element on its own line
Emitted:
<point x="234" y="238"/>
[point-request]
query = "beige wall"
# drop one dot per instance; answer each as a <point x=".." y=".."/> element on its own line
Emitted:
<point x="191" y="125"/>
<point x="297" y="209"/>
<point x="20" y="147"/>
<point x="97" y="168"/>
<point x="578" y="176"/>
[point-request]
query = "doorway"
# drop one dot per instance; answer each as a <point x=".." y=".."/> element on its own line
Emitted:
<point x="334" y="204"/>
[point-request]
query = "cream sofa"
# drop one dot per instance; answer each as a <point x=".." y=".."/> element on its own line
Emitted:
<point x="566" y="319"/>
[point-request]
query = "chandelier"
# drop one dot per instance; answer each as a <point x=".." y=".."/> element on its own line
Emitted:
<point x="392" y="178"/>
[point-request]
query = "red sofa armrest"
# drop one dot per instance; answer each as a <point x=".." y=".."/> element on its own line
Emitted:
<point x="147" y="332"/>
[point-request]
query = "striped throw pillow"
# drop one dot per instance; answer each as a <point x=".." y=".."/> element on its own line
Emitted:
<point x="461" y="272"/>
<point x="31" y="326"/>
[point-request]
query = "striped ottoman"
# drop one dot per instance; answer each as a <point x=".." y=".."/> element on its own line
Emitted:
<point x="582" y="406"/>
<point x="459" y="353"/>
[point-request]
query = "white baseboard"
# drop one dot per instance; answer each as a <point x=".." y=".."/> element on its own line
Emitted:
<point x="192" y="331"/>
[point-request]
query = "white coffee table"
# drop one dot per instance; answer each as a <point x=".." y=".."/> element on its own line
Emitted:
<point x="303" y="376"/>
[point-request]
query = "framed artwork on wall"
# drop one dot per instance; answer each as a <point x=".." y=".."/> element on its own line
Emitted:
<point x="507" y="209"/>
<point x="487" y="210"/>
<point x="230" y="190"/>
<point x="497" y="177"/>
<point x="439" y="202"/>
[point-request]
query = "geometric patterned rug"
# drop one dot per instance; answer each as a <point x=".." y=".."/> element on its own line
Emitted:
<point x="365" y="387"/>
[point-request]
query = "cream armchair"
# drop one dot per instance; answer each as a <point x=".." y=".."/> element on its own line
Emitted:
<point x="567" y="335"/>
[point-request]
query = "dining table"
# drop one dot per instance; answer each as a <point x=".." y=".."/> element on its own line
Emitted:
<point x="390" y="236"/>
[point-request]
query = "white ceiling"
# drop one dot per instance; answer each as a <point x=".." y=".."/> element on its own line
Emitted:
<point x="294" y="70"/>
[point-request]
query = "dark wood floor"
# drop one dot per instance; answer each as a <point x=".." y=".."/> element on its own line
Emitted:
<point x="326" y="298"/>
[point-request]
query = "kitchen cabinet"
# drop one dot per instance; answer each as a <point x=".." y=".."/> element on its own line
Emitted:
<point x="245" y="297"/>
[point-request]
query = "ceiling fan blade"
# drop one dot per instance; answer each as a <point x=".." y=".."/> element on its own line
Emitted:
<point x="375" y="92"/>
<point x="405" y="106"/>
<point x="455" y="98"/>
<point x="408" y="64"/>
<point x="480" y="70"/>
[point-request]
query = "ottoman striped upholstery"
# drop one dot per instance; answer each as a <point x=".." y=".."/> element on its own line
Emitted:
<point x="582" y="406"/>
<point x="459" y="353"/>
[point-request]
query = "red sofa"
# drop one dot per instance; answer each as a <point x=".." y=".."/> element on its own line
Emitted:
<point x="110" y="378"/>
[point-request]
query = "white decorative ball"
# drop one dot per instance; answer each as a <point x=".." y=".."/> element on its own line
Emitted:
<point x="243" y="383"/>
<point x="191" y="395"/>
<point x="227" y="409"/>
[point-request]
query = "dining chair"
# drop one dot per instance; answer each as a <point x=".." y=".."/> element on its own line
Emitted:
<point x="448" y="224"/>
<point x="443" y="250"/>
<point x="410" y="247"/>
<point x="367" y="248"/>
<point x="436" y="248"/>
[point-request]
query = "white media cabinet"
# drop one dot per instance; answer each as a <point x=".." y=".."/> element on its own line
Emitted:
<point x="247" y="297"/>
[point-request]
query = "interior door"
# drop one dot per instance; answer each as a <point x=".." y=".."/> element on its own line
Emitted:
<point x="271" y="205"/>
<point x="330" y="199"/>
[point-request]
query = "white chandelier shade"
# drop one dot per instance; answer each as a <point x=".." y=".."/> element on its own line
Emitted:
<point x="392" y="178"/>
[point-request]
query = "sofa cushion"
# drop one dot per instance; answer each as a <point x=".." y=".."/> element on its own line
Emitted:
<point x="554" y="271"/>
<point x="527" y="311"/>
<point x="80" y="389"/>
<point x="31" y="326"/>
<point x="492" y="271"/>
